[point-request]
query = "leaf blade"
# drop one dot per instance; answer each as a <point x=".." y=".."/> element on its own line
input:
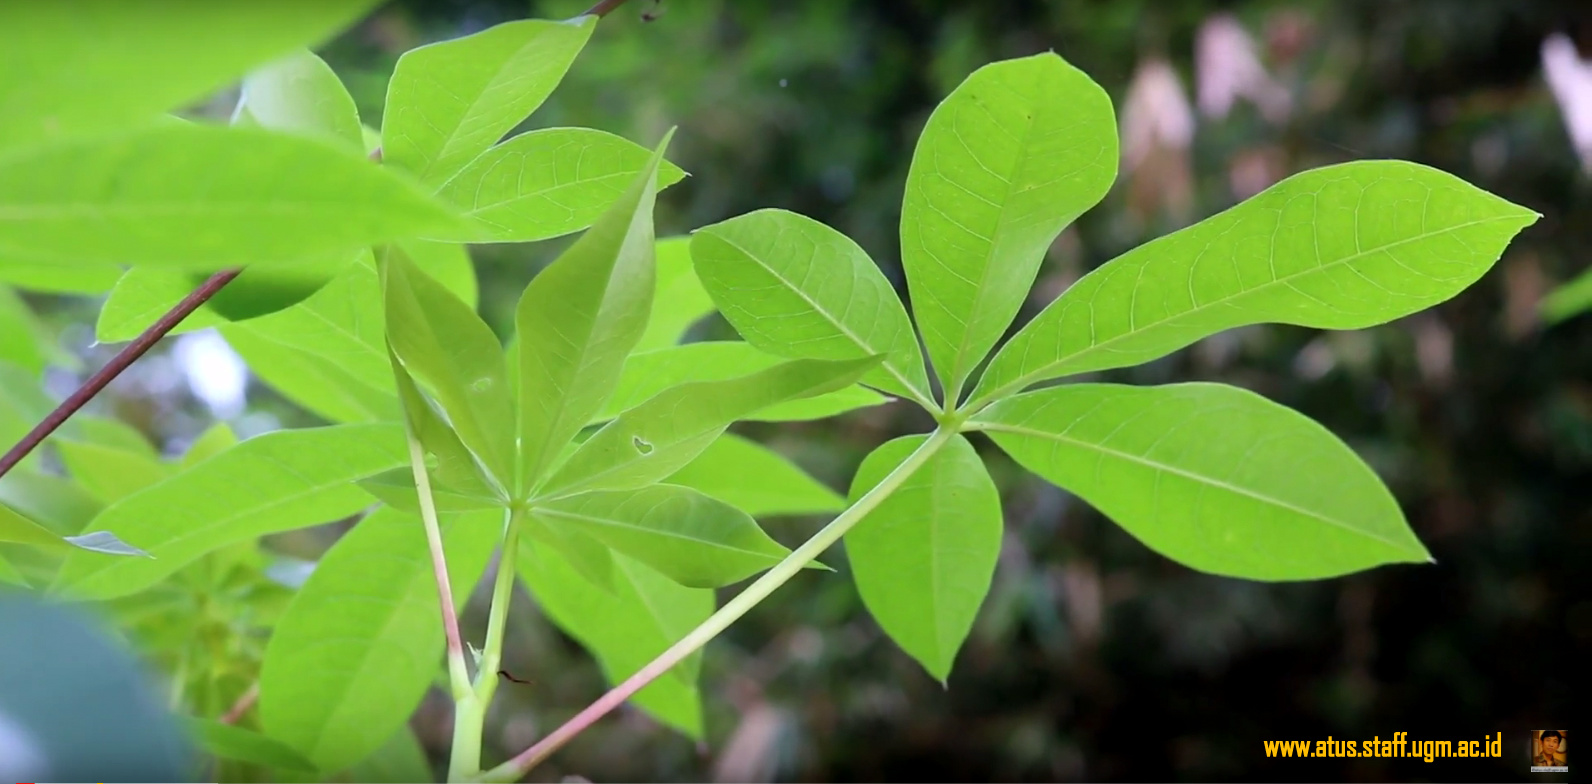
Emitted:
<point x="1014" y="154"/>
<point x="924" y="558"/>
<point x="755" y="479"/>
<point x="1257" y="490"/>
<point x="1340" y="272"/>
<point x="794" y="287"/>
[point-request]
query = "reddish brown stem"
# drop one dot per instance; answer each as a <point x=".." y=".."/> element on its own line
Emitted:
<point x="124" y="358"/>
<point x="242" y="706"/>
<point x="603" y="8"/>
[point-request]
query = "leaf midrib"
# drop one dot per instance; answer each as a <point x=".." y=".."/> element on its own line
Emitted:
<point x="1037" y="375"/>
<point x="1190" y="475"/>
<point x="609" y="522"/>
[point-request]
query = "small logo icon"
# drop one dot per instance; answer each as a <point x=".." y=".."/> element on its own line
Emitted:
<point x="1548" y="751"/>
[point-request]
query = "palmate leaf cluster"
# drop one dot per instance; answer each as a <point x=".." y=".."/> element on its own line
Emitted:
<point x="594" y="434"/>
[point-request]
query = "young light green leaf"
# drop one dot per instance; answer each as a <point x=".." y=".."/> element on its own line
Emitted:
<point x="1568" y="300"/>
<point x="213" y="441"/>
<point x="924" y="558"/>
<point x="591" y="558"/>
<point x="114" y="433"/>
<point x="578" y="320"/>
<point x="660" y="436"/>
<point x="16" y="528"/>
<point x="445" y="346"/>
<point x="396" y="488"/>
<point x="100" y="65"/>
<point x="236" y="743"/>
<point x="457" y="467"/>
<point x="53" y="500"/>
<point x="107" y="472"/>
<point x="755" y="479"/>
<point x="794" y="287"/>
<point x="1005" y="162"/>
<point x="1340" y="247"/>
<point x="300" y="93"/>
<point x="270" y="483"/>
<point x="649" y="373"/>
<point x="1214" y="477"/>
<point x="627" y="628"/>
<point x="319" y="385"/>
<point x="450" y="101"/>
<point x="694" y="539"/>
<point x="203" y="198"/>
<point x="350" y="659"/>
<point x="680" y="300"/>
<point x="22" y="340"/>
<point x="550" y="182"/>
<point x="56" y="279"/>
<point x="140" y="297"/>
<point x="401" y="760"/>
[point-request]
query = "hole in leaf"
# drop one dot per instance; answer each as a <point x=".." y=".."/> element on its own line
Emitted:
<point x="642" y="445"/>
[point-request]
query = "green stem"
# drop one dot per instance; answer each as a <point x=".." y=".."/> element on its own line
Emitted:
<point x="469" y="714"/>
<point x="458" y="671"/>
<point x="731" y="612"/>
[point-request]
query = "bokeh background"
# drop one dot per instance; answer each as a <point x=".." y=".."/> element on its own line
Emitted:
<point x="1093" y="657"/>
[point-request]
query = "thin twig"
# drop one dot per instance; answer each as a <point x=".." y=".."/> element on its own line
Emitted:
<point x="124" y="358"/>
<point x="603" y="8"/>
<point x="242" y="706"/>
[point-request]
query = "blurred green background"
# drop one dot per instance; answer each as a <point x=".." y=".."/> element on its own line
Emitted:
<point x="1093" y="657"/>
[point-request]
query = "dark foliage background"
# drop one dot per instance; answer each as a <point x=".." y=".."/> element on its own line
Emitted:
<point x="1095" y="658"/>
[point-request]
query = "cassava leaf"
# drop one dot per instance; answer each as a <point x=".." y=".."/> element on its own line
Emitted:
<point x="1340" y="247"/>
<point x="350" y="659"/>
<point x="1006" y="161"/>
<point x="1215" y="477"/>
<point x="450" y="101"/>
<point x="275" y="482"/>
<point x="660" y="436"/>
<point x="14" y="527"/>
<point x="93" y="66"/>
<point x="578" y="320"/>
<point x="680" y="300"/>
<point x="1569" y="300"/>
<point x="300" y="93"/>
<point x="794" y="287"/>
<point x="626" y="628"/>
<point x="755" y="479"/>
<point x="694" y="539"/>
<point x="203" y="198"/>
<point x="396" y="488"/>
<point x="549" y="182"/>
<point x="587" y="556"/>
<point x="924" y="558"/>
<point x="646" y="374"/>
<point x="446" y="347"/>
<point x="109" y="472"/>
<point x="226" y="741"/>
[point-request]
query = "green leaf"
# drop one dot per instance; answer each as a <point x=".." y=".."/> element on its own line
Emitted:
<point x="448" y="262"/>
<point x="627" y="628"/>
<point x="396" y="488"/>
<point x="114" y="433"/>
<point x="301" y="94"/>
<point x="694" y="539"/>
<point x="445" y="346"/>
<point x="450" y="101"/>
<point x="1571" y="299"/>
<point x="267" y="484"/>
<point x="140" y="297"/>
<point x="107" y="472"/>
<point x="591" y="558"/>
<point x="16" y="528"/>
<point x="1341" y="247"/>
<point x="56" y="279"/>
<point x="924" y="558"/>
<point x="203" y="198"/>
<point x="456" y="466"/>
<point x="316" y="383"/>
<point x="99" y="65"/>
<point x="1005" y="162"/>
<point x="680" y="300"/>
<point x="794" y="287"/>
<point x="755" y="479"/>
<point x="214" y="440"/>
<point x="658" y="437"/>
<point x="1214" y="477"/>
<point x="57" y="502"/>
<point x="401" y="760"/>
<point x="551" y="182"/>
<point x="236" y="743"/>
<point x="579" y="319"/>
<point x="356" y="650"/>
<point x="650" y="373"/>
<point x="22" y="337"/>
